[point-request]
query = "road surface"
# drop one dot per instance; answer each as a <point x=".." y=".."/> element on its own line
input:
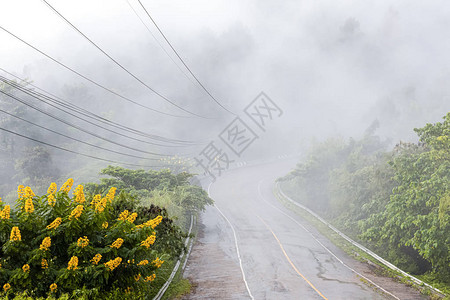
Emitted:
<point x="251" y="247"/>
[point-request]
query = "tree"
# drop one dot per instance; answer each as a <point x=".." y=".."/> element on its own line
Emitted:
<point x="146" y="184"/>
<point x="417" y="214"/>
<point x="36" y="166"/>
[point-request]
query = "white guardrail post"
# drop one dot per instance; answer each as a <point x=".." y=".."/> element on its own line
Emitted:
<point x="177" y="265"/>
<point x="361" y="247"/>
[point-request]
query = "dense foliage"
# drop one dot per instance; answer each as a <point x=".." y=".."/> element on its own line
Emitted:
<point x="397" y="202"/>
<point x="78" y="245"/>
<point x="146" y="189"/>
<point x="149" y="184"/>
<point x="418" y="213"/>
<point x="170" y="236"/>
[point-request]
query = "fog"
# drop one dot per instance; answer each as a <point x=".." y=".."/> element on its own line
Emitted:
<point x="333" y="68"/>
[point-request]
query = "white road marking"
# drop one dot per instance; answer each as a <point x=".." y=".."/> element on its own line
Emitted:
<point x="328" y="250"/>
<point x="236" y="244"/>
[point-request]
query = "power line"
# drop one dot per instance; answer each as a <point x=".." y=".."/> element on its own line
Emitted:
<point x="38" y="95"/>
<point x="78" y="127"/>
<point x="175" y="51"/>
<point x="157" y="41"/>
<point x="98" y="118"/>
<point x="75" y="139"/>
<point x="118" y="64"/>
<point x="74" y="152"/>
<point x="33" y="94"/>
<point x="88" y="79"/>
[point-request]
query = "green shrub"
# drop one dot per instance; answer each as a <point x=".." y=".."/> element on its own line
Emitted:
<point x="56" y="244"/>
<point x="150" y="184"/>
<point x="170" y="236"/>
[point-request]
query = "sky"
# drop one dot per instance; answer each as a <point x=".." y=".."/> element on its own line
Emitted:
<point x="333" y="67"/>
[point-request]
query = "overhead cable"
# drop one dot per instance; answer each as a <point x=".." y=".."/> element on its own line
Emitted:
<point x="87" y="113"/>
<point x="37" y="96"/>
<point x="78" y="127"/>
<point x="120" y="65"/>
<point x="74" y="139"/>
<point x="181" y="59"/>
<point x="74" y="152"/>
<point x="89" y="79"/>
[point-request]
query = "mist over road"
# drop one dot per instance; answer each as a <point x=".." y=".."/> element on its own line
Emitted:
<point x="250" y="246"/>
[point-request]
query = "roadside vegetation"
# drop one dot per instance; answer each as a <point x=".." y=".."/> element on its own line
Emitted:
<point x="163" y="192"/>
<point x="106" y="240"/>
<point x="395" y="202"/>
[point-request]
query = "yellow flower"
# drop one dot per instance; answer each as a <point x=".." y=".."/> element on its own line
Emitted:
<point x="51" y="200"/>
<point x="143" y="262"/>
<point x="123" y="215"/>
<point x="132" y="217"/>
<point x="21" y="192"/>
<point x="67" y="185"/>
<point x="151" y="223"/>
<point x="150" y="278"/>
<point x="55" y="223"/>
<point x="53" y="287"/>
<point x="6" y="287"/>
<point x="96" y="199"/>
<point x="148" y="241"/>
<point x="156" y="221"/>
<point x="29" y="192"/>
<point x="95" y="260"/>
<point x="73" y="263"/>
<point x="111" y="193"/>
<point x="79" y="194"/>
<point x="15" y="234"/>
<point x="137" y="277"/>
<point x="5" y="213"/>
<point x="100" y="205"/>
<point x="83" y="242"/>
<point x="44" y="264"/>
<point x="46" y="243"/>
<point x="76" y="212"/>
<point x="105" y="225"/>
<point x="113" y="263"/>
<point x="52" y="189"/>
<point x="26" y="268"/>
<point x="117" y="243"/>
<point x="29" y="207"/>
<point x="157" y="262"/>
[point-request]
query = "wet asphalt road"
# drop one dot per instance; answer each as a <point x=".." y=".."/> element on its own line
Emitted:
<point x="251" y="247"/>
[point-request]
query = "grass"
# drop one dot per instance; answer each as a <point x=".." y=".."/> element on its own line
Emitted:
<point x="431" y="279"/>
<point x="178" y="289"/>
<point x="180" y="286"/>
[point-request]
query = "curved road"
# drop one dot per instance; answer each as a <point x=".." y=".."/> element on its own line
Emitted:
<point x="251" y="247"/>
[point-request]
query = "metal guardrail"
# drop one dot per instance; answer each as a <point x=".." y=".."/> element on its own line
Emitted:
<point x="361" y="247"/>
<point x="177" y="265"/>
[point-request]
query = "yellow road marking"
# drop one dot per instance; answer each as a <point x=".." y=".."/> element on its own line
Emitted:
<point x="289" y="260"/>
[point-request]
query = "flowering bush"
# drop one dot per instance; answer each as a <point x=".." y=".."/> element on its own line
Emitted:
<point x="55" y="244"/>
<point x="170" y="236"/>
